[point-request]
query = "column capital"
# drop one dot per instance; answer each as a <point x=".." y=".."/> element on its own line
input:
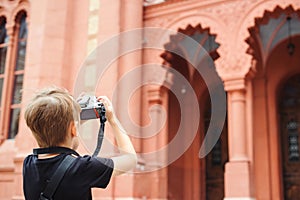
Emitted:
<point x="235" y="84"/>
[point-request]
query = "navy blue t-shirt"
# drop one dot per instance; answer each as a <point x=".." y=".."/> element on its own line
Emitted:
<point x="83" y="174"/>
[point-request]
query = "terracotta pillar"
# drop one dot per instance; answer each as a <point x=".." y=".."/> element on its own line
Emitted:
<point x="238" y="126"/>
<point x="131" y="16"/>
<point x="129" y="109"/>
<point x="237" y="171"/>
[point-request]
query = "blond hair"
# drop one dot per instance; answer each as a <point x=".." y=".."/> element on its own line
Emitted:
<point x="49" y="115"/>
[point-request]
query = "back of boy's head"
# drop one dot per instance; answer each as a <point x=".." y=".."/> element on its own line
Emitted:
<point x="49" y="115"/>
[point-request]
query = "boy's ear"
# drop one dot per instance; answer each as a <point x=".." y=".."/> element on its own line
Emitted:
<point x="73" y="129"/>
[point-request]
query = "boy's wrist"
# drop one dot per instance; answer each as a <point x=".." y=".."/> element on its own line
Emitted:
<point x="112" y="120"/>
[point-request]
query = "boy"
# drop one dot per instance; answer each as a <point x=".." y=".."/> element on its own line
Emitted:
<point x="52" y="116"/>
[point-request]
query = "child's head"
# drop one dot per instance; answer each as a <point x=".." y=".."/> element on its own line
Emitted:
<point x="50" y="114"/>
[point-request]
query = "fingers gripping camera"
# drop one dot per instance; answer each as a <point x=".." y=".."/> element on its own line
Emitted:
<point x="91" y="108"/>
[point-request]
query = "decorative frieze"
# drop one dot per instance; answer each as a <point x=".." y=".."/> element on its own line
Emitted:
<point x="225" y="19"/>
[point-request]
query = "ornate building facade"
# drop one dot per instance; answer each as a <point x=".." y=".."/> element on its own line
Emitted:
<point x="254" y="46"/>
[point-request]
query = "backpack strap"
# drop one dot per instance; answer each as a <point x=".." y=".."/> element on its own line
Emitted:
<point x="55" y="180"/>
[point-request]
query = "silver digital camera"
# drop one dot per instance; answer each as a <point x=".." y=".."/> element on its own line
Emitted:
<point x="91" y="108"/>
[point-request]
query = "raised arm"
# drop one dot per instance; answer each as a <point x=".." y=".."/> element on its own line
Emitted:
<point x="128" y="159"/>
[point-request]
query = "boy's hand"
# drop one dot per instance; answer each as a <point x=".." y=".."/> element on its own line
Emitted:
<point x="108" y="107"/>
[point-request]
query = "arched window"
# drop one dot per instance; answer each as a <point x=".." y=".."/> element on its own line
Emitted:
<point x="18" y="73"/>
<point x="3" y="52"/>
<point x="12" y="64"/>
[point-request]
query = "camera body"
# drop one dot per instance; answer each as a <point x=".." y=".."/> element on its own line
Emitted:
<point x="91" y="108"/>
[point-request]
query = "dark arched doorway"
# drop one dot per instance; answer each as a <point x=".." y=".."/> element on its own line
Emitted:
<point x="289" y="112"/>
<point x="190" y="177"/>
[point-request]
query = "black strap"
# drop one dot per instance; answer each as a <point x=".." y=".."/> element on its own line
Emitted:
<point x="100" y="139"/>
<point x="56" y="178"/>
<point x="101" y="113"/>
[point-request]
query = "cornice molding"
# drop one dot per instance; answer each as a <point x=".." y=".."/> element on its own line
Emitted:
<point x="172" y="7"/>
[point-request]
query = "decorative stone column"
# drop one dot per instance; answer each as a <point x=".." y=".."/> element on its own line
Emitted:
<point x="238" y="183"/>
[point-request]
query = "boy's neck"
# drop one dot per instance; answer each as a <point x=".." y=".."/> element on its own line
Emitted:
<point x="45" y="156"/>
<point x="51" y="155"/>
